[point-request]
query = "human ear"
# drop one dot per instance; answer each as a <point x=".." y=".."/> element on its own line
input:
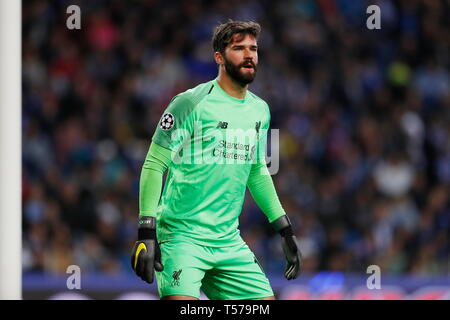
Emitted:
<point x="218" y="58"/>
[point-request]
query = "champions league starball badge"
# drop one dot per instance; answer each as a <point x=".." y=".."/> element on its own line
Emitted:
<point x="167" y="121"/>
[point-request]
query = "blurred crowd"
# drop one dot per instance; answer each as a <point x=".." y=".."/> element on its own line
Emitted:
<point x="363" y="118"/>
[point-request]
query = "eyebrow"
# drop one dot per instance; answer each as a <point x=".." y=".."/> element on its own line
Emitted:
<point x="242" y="46"/>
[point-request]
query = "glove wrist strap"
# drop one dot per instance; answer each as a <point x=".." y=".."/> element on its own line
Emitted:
<point x="147" y="228"/>
<point x="283" y="226"/>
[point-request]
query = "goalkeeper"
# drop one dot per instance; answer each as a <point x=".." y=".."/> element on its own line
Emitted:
<point x="212" y="139"/>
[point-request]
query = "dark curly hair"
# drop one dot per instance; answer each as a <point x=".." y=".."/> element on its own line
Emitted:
<point x="223" y="33"/>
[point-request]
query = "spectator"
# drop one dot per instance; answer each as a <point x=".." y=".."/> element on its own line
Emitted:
<point x="363" y="117"/>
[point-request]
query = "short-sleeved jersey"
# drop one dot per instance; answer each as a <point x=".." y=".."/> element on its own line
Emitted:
<point x="215" y="138"/>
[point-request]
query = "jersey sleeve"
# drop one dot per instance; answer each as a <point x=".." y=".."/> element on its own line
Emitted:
<point x="260" y="182"/>
<point x="150" y="184"/>
<point x="263" y="191"/>
<point x="176" y="125"/>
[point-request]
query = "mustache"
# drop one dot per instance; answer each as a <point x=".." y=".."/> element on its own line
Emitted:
<point x="248" y="62"/>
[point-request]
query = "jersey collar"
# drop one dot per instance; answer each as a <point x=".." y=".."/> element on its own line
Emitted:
<point x="222" y="92"/>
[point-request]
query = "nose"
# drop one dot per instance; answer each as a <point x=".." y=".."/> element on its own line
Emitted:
<point x="248" y="54"/>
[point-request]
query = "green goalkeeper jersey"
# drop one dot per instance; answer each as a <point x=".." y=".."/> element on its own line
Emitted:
<point x="215" y="139"/>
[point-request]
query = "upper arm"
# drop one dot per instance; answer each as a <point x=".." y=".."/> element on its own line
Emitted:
<point x="158" y="158"/>
<point x="176" y="125"/>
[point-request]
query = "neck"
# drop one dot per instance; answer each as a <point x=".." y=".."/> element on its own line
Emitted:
<point x="230" y="86"/>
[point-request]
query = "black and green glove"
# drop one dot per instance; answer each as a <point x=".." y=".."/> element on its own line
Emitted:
<point x="289" y="242"/>
<point x="146" y="254"/>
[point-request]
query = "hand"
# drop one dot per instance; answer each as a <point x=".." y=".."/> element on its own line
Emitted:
<point x="289" y="243"/>
<point x="146" y="254"/>
<point x="293" y="257"/>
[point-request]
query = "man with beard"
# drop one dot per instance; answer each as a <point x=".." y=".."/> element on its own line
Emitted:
<point x="212" y="139"/>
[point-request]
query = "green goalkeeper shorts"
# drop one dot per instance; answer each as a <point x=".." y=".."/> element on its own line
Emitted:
<point x="222" y="273"/>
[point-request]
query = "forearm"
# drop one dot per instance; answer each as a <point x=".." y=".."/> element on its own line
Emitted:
<point x="151" y="181"/>
<point x="263" y="191"/>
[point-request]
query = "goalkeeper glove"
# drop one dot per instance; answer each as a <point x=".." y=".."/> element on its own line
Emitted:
<point x="292" y="253"/>
<point x="146" y="254"/>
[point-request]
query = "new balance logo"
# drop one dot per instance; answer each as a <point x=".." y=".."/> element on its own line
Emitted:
<point x="222" y="125"/>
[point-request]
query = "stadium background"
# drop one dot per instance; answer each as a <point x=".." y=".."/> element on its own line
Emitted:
<point x="364" y="120"/>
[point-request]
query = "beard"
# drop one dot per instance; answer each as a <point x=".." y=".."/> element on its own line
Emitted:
<point x="235" y="72"/>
